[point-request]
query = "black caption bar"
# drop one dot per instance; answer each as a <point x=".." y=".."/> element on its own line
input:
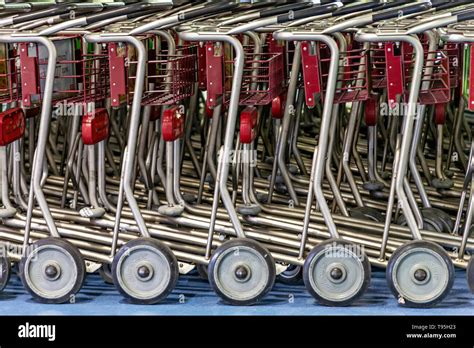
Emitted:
<point x="245" y="331"/>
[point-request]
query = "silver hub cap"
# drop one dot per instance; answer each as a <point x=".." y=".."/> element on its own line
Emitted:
<point x="143" y="272"/>
<point x="420" y="275"/>
<point x="50" y="271"/>
<point x="336" y="274"/>
<point x="241" y="273"/>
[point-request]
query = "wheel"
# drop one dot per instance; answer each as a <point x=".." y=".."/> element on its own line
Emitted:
<point x="106" y="273"/>
<point x="442" y="184"/>
<point x="249" y="209"/>
<point x="336" y="273"/>
<point x="373" y="185"/>
<point x="145" y="271"/>
<point x="5" y="271"/>
<point x="441" y="216"/>
<point x="470" y="274"/>
<point x="430" y="222"/>
<point x="242" y="272"/>
<point x="202" y="271"/>
<point x="420" y="274"/>
<point x="52" y="271"/>
<point x="367" y="213"/>
<point x="292" y="276"/>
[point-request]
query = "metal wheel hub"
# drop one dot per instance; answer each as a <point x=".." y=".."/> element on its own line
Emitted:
<point x="50" y="271"/>
<point x="420" y="275"/>
<point x="143" y="272"/>
<point x="336" y="273"/>
<point x="242" y="273"/>
<point x="249" y="276"/>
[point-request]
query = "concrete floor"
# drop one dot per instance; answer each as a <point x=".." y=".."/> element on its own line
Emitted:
<point x="97" y="298"/>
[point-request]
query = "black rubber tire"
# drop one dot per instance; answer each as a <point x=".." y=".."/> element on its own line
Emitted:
<point x="292" y="276"/>
<point x="73" y="251"/>
<point x="470" y="274"/>
<point x="324" y="301"/>
<point x="430" y="223"/>
<point x="426" y="245"/>
<point x="236" y="243"/>
<point x="106" y="273"/>
<point x="367" y="213"/>
<point x="202" y="271"/>
<point x="5" y="272"/>
<point x="165" y="251"/>
<point x="440" y="215"/>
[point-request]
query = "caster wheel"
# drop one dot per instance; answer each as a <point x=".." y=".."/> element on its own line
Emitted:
<point x="6" y="213"/>
<point x="430" y="222"/>
<point x="373" y="186"/>
<point x="470" y="274"/>
<point x="281" y="189"/>
<point x="420" y="274"/>
<point x="278" y="179"/>
<point x="242" y="272"/>
<point x="449" y="173"/>
<point x="269" y="160"/>
<point x="5" y="271"/>
<point x="106" y="273"/>
<point x="336" y="274"/>
<point x="367" y="213"/>
<point x="92" y="213"/>
<point x="377" y="195"/>
<point x="292" y="276"/>
<point x="443" y="218"/>
<point x="189" y="198"/>
<point x="53" y="271"/>
<point x="442" y="184"/>
<point x="171" y="210"/>
<point x="249" y="210"/>
<point x="262" y="197"/>
<point x="202" y="271"/>
<point x="145" y="271"/>
<point x="294" y="170"/>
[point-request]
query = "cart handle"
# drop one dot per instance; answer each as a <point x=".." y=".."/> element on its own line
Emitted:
<point x="403" y="11"/>
<point x="14" y="8"/>
<point x="285" y="8"/>
<point x="207" y="9"/>
<point x="137" y="8"/>
<point x="367" y="19"/>
<point x="186" y="15"/>
<point x="358" y="7"/>
<point x="51" y="11"/>
<point x="253" y="11"/>
<point x="455" y="17"/>
<point x="316" y="10"/>
<point x="311" y="12"/>
<point x="464" y="15"/>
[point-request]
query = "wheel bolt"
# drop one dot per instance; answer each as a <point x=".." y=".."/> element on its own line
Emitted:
<point x="336" y="273"/>
<point x="421" y="275"/>
<point x="143" y="272"/>
<point x="241" y="272"/>
<point x="51" y="271"/>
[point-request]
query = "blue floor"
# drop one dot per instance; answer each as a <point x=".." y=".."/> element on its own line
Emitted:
<point x="97" y="298"/>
